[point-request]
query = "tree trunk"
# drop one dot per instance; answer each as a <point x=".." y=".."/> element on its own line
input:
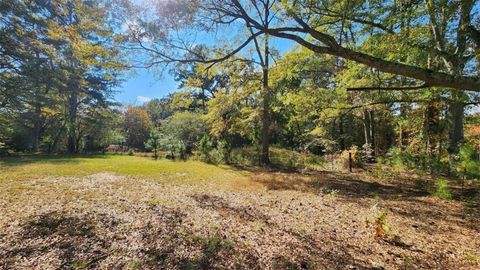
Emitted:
<point x="204" y="107"/>
<point x="455" y="129"/>
<point x="341" y="133"/>
<point x="37" y="121"/>
<point x="432" y="121"/>
<point x="37" y="117"/>
<point x="403" y="136"/>
<point x="372" y="129"/>
<point x="265" y="159"/>
<point x="72" y="123"/>
<point x="266" y="111"/>
<point x="367" y="127"/>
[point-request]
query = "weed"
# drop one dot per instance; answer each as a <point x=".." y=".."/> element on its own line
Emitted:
<point x="135" y="264"/>
<point x="377" y="196"/>
<point x="330" y="192"/>
<point x="81" y="264"/>
<point x="473" y="258"/>
<point x="442" y="190"/>
<point x="382" y="227"/>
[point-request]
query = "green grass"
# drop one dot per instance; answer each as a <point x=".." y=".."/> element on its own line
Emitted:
<point x="28" y="167"/>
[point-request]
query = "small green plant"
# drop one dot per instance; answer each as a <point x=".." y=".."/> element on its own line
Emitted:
<point x="131" y="152"/>
<point x="382" y="227"/>
<point x="134" y="264"/>
<point x="292" y="161"/>
<point x="81" y="264"/>
<point x="442" y="190"/>
<point x="473" y="258"/>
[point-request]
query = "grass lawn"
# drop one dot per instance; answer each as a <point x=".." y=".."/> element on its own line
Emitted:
<point x="124" y="212"/>
<point x="42" y="166"/>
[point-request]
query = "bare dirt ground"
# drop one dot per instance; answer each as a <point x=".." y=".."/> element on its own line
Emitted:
<point x="273" y="220"/>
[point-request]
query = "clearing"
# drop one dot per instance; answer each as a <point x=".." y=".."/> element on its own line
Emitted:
<point x="122" y="212"/>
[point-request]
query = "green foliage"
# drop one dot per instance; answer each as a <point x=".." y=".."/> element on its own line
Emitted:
<point x="136" y="126"/>
<point x="400" y="160"/>
<point x="59" y="68"/>
<point x="383" y="227"/>
<point x="206" y="148"/>
<point x="468" y="163"/>
<point x="159" y="109"/>
<point x="181" y="133"/>
<point x="225" y="148"/>
<point x="131" y="152"/>
<point x="3" y="149"/>
<point x="154" y="142"/>
<point x="442" y="190"/>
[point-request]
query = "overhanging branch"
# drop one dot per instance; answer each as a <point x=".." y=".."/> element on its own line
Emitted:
<point x="379" y="88"/>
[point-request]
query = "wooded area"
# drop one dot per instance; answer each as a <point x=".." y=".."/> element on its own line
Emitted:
<point x="395" y="79"/>
<point x="359" y="87"/>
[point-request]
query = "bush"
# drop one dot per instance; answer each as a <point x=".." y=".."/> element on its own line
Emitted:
<point x="205" y="148"/>
<point x="226" y="149"/>
<point x="3" y="149"/>
<point x="357" y="158"/>
<point x="468" y="163"/>
<point x="442" y="190"/>
<point x="153" y="143"/>
<point x="131" y="152"/>
<point x="382" y="227"/>
<point x="401" y="160"/>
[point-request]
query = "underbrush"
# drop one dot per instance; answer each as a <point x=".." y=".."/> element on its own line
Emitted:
<point x="278" y="157"/>
<point x="466" y="164"/>
<point x="442" y="190"/>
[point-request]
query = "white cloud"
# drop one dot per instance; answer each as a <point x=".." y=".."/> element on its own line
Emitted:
<point x="143" y="99"/>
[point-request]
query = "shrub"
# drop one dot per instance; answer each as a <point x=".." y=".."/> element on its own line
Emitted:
<point x="183" y="130"/>
<point x="153" y="143"/>
<point x="3" y="149"/>
<point x="226" y="149"/>
<point x="442" y="190"/>
<point x="468" y="163"/>
<point x="382" y="228"/>
<point x="400" y="160"/>
<point x="131" y="152"/>
<point x="205" y="148"/>
<point x="357" y="158"/>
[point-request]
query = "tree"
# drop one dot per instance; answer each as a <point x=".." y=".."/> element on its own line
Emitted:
<point x="183" y="131"/>
<point x="154" y="142"/>
<point x="159" y="109"/>
<point x="58" y="64"/>
<point x="136" y="126"/>
<point x="200" y="79"/>
<point x="311" y="24"/>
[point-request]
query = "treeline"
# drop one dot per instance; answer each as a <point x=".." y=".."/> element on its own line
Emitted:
<point x="311" y="111"/>
<point x="396" y="82"/>
<point x="58" y="69"/>
<point x="395" y="78"/>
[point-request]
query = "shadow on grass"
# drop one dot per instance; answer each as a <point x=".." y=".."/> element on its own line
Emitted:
<point x="307" y="250"/>
<point x="49" y="159"/>
<point x="74" y="238"/>
<point x="401" y="195"/>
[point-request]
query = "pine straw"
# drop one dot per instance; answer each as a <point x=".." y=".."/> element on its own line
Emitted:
<point x="288" y="221"/>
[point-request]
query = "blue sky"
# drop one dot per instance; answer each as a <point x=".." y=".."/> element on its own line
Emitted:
<point x="142" y="85"/>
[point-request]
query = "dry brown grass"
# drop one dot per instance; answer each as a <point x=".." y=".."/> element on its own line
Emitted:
<point x="230" y="218"/>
